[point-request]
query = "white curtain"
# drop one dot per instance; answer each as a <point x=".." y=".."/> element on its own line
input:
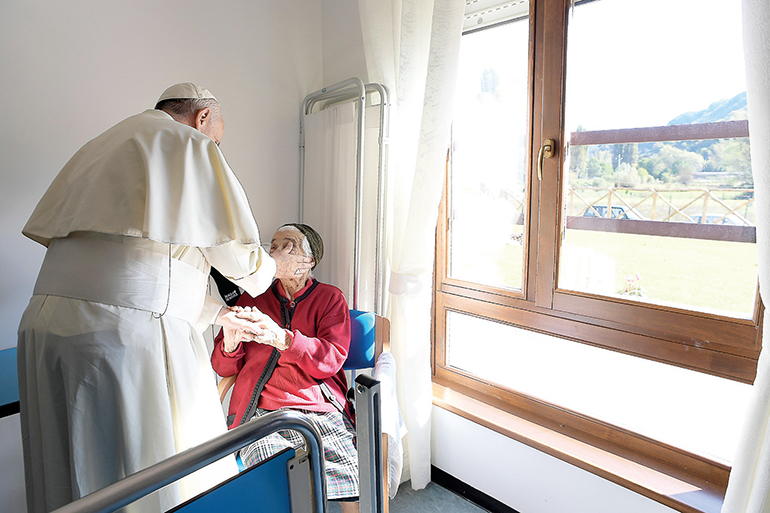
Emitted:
<point x="748" y="490"/>
<point x="329" y="190"/>
<point x="412" y="47"/>
<point x="329" y="196"/>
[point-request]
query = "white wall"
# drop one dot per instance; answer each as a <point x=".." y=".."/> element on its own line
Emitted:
<point x="70" y="70"/>
<point x="343" y="48"/>
<point x="525" y="479"/>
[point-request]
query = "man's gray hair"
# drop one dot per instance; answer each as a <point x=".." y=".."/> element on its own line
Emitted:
<point x="186" y="107"/>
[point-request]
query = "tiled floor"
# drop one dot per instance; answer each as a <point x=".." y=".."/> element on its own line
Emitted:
<point x="431" y="499"/>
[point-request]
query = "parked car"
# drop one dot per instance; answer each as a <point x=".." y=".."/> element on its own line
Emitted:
<point x="731" y="219"/>
<point x="617" y="212"/>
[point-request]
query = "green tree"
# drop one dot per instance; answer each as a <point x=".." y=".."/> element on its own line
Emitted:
<point x="733" y="156"/>
<point x="598" y="168"/>
<point x="627" y="176"/>
<point x="578" y="157"/>
<point x="625" y="153"/>
<point x="681" y="163"/>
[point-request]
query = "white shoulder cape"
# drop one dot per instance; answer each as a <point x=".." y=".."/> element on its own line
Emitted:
<point x="148" y="176"/>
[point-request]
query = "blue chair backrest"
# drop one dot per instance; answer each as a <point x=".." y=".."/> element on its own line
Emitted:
<point x="363" y="342"/>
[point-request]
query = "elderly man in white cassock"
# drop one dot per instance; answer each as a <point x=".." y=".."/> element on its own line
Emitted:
<point x="114" y="374"/>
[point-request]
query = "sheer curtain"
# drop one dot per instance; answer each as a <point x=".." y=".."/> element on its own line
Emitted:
<point x="329" y="190"/>
<point x="748" y="490"/>
<point x="412" y="47"/>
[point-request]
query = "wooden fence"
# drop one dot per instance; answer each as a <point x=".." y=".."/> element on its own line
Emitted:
<point x="695" y="213"/>
<point x="694" y="206"/>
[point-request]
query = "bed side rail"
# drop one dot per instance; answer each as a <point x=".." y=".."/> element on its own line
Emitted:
<point x="136" y="486"/>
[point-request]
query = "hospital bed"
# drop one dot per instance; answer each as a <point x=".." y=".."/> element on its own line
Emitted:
<point x="279" y="484"/>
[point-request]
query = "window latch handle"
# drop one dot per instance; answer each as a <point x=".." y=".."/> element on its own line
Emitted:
<point x="546" y="151"/>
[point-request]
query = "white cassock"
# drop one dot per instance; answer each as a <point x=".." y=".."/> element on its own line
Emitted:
<point x="114" y="374"/>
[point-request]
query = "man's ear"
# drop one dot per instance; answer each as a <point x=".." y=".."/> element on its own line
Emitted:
<point x="202" y="117"/>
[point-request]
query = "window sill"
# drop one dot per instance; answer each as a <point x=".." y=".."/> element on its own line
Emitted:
<point x="670" y="491"/>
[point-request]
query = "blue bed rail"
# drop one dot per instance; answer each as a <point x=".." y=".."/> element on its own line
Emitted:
<point x="135" y="486"/>
<point x="259" y="489"/>
<point x="9" y="383"/>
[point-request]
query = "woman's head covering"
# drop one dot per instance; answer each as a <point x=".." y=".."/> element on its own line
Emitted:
<point x="313" y="239"/>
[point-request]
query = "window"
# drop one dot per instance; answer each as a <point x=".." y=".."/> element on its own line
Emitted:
<point x="490" y="143"/>
<point x="608" y="288"/>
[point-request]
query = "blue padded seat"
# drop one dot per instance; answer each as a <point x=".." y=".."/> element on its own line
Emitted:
<point x="362" y="341"/>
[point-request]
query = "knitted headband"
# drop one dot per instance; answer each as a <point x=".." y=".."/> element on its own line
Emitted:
<point x="313" y="238"/>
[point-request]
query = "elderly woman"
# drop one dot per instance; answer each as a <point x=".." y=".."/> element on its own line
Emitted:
<point x="307" y="343"/>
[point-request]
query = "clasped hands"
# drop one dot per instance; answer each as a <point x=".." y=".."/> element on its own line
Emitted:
<point x="247" y="324"/>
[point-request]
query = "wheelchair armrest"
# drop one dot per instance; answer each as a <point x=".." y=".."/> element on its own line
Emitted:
<point x="225" y="385"/>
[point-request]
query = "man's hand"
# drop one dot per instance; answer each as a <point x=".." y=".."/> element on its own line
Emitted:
<point x="290" y="266"/>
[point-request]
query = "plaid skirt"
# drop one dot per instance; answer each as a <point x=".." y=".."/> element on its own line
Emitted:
<point x="340" y="455"/>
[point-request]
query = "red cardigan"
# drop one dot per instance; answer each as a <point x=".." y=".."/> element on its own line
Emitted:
<point x="319" y="321"/>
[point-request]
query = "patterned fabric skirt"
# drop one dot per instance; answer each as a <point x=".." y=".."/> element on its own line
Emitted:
<point x="340" y="455"/>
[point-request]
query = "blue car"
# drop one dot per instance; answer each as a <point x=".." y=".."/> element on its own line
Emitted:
<point x="617" y="212"/>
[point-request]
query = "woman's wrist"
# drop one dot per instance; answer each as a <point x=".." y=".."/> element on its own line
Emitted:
<point x="230" y="347"/>
<point x="231" y="340"/>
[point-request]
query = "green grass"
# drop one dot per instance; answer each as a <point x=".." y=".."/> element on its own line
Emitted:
<point x="703" y="274"/>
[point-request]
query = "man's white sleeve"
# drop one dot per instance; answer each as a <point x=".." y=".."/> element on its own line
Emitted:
<point x="247" y="265"/>
<point x="209" y="314"/>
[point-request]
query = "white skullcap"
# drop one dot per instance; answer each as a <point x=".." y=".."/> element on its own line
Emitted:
<point x="184" y="91"/>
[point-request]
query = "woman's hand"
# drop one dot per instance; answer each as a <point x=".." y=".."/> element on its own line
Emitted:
<point x="237" y="329"/>
<point x="233" y="337"/>
<point x="230" y="317"/>
<point x="269" y="332"/>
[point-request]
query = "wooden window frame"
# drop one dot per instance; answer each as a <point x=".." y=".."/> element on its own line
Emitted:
<point x="708" y="343"/>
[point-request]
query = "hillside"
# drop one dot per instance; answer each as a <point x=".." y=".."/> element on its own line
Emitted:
<point x="722" y="110"/>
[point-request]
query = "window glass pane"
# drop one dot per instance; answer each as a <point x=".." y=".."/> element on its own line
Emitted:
<point x="488" y="179"/>
<point x="658" y="191"/>
<point x="697" y="412"/>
